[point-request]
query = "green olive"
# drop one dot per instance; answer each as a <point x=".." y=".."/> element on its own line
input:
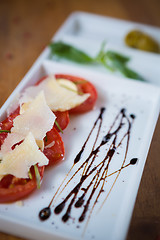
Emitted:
<point x="142" y="41"/>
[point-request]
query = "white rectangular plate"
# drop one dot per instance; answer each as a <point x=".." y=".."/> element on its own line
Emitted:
<point x="112" y="219"/>
<point x="109" y="218"/>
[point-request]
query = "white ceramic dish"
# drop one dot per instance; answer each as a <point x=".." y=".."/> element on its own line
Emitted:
<point x="88" y="31"/>
<point x="112" y="221"/>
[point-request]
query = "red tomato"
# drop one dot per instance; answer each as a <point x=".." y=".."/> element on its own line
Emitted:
<point x="84" y="87"/>
<point x="7" y="124"/>
<point x="62" y="119"/>
<point x="54" y="147"/>
<point x="13" y="189"/>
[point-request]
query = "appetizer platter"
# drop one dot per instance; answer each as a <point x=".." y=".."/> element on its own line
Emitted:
<point x="79" y="135"/>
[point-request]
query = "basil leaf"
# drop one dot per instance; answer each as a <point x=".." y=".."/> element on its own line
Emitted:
<point x="117" y="57"/>
<point x="69" y="52"/>
<point x="126" y="71"/>
<point x="111" y="60"/>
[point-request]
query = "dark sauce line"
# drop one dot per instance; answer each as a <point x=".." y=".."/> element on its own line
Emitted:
<point x="81" y="199"/>
<point x="96" y="176"/>
<point x="59" y="208"/>
<point x="83" y="147"/>
<point x="126" y="152"/>
<point x="100" y="117"/>
<point x="63" y="203"/>
<point x="105" y="171"/>
<point x="109" y="154"/>
<point x="105" y="139"/>
<point x="133" y="161"/>
<point x="46" y="212"/>
<point x="99" y="175"/>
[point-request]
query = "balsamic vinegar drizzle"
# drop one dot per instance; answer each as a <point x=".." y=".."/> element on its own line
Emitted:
<point x="96" y="173"/>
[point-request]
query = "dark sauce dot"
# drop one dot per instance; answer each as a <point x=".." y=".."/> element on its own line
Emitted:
<point x="59" y="208"/>
<point x="123" y="110"/>
<point x="82" y="217"/>
<point x="133" y="161"/>
<point x="77" y="158"/>
<point x="132" y="116"/>
<point x="45" y="213"/>
<point x="66" y="217"/>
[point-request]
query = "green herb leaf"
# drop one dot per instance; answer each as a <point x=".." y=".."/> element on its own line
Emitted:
<point x="38" y="177"/>
<point x="57" y="124"/>
<point x="7" y="131"/>
<point x="127" y="71"/>
<point x="111" y="60"/>
<point x="69" y="52"/>
<point x="117" y="57"/>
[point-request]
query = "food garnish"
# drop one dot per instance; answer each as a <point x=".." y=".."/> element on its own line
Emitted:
<point x="6" y="131"/>
<point x="29" y="138"/>
<point x="111" y="60"/>
<point x="142" y="41"/>
<point x="38" y="177"/>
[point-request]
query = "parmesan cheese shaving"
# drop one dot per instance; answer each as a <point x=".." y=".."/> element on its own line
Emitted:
<point x="18" y="161"/>
<point x="58" y="98"/>
<point x="50" y="144"/>
<point x="67" y="84"/>
<point x="36" y="117"/>
<point x="10" y="141"/>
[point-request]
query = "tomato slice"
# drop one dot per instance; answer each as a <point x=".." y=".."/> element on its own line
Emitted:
<point x="85" y="87"/>
<point x="54" y="147"/>
<point x="13" y="189"/>
<point x="7" y="124"/>
<point x="62" y="119"/>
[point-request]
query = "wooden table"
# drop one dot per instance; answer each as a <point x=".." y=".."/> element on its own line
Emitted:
<point x="27" y="26"/>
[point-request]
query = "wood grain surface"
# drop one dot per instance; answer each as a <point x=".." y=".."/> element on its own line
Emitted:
<point x="26" y="27"/>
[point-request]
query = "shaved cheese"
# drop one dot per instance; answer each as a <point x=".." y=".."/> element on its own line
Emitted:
<point x="58" y="98"/>
<point x="18" y="161"/>
<point x="24" y="107"/>
<point x="67" y="84"/>
<point x="50" y="145"/>
<point x="10" y="141"/>
<point x="36" y="117"/>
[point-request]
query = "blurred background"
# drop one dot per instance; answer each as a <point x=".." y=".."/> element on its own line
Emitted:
<point x="27" y="26"/>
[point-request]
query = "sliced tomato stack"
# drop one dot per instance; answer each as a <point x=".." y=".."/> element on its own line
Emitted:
<point x="12" y="188"/>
